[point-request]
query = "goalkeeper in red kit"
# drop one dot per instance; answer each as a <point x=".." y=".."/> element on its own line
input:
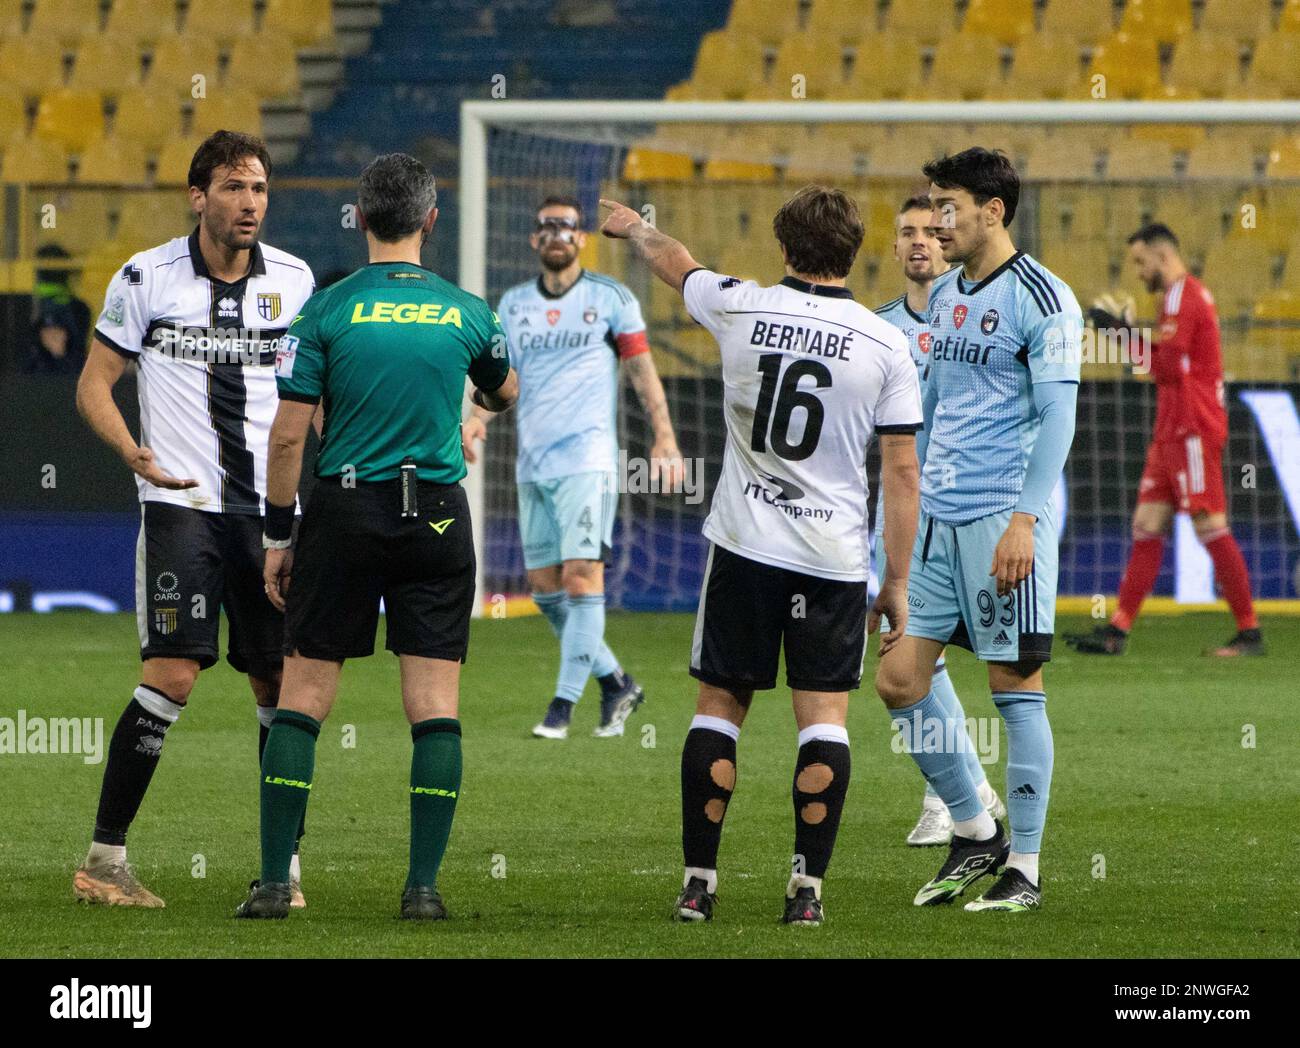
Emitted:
<point x="1184" y="464"/>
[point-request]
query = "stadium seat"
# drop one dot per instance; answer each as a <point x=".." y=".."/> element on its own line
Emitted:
<point x="11" y="17"/>
<point x="221" y="20"/>
<point x="144" y="21"/>
<point x="1289" y="20"/>
<point x="263" y="65"/>
<point x="1273" y="345"/>
<point x="308" y="23"/>
<point x="177" y="60"/>
<point x="770" y="21"/>
<point x="1164" y="21"/>
<point x="1007" y="21"/>
<point x="902" y="154"/>
<point x="1221" y="156"/>
<point x="728" y="170"/>
<point x="821" y="157"/>
<point x="1284" y="159"/>
<point x="1046" y="65"/>
<point x="1059" y="159"/>
<point x="1130" y="65"/>
<point x="1085" y="267"/>
<point x="1270" y="215"/>
<point x="147" y="119"/>
<point x="13" y="113"/>
<point x="1237" y="271"/>
<point x="840" y="23"/>
<point x="227" y="108"/>
<point x="64" y="21"/>
<point x="1137" y="158"/>
<point x="174" y="161"/>
<point x="727" y="65"/>
<point x="106" y="63"/>
<point x="887" y="70"/>
<point x="1238" y="20"/>
<point x="32" y="160"/>
<point x="151" y="217"/>
<point x="112" y="161"/>
<point x="1083" y="21"/>
<point x="80" y="220"/>
<point x="921" y="21"/>
<point x="1071" y="213"/>
<point x="30" y="64"/>
<point x="1204" y="66"/>
<point x="1179" y="137"/>
<point x="74" y="119"/>
<point x="966" y="66"/>
<point x="1274" y="68"/>
<point x="810" y="56"/>
<point x="652" y="165"/>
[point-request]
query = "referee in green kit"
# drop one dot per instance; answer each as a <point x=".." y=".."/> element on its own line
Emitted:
<point x="388" y="350"/>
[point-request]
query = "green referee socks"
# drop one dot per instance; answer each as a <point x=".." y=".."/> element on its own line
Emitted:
<point x="435" y="785"/>
<point x="287" y="766"/>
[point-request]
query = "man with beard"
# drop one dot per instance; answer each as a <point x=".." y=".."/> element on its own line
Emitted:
<point x="568" y="332"/>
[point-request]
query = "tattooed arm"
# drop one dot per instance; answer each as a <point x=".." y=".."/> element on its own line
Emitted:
<point x="666" y="257"/>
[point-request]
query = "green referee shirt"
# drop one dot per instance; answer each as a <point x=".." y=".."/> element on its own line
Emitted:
<point x="388" y="350"/>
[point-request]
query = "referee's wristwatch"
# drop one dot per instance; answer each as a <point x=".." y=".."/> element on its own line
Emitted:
<point x="277" y="527"/>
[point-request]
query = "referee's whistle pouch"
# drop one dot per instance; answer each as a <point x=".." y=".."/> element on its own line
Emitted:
<point x="410" y="495"/>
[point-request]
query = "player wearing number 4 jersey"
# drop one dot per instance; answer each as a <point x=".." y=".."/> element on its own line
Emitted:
<point x="809" y="376"/>
<point x="1004" y="349"/>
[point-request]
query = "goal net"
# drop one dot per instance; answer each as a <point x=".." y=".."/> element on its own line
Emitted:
<point x="714" y="174"/>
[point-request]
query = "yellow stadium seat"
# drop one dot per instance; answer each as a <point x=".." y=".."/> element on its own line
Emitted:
<point x="1164" y="21"/>
<point x="1138" y="158"/>
<point x="922" y="21"/>
<point x="80" y="220"/>
<point x="174" y="160"/>
<point x="1194" y="213"/>
<point x="1179" y="137"/>
<point x="150" y="120"/>
<point x="1220" y="156"/>
<point x="13" y="113"/>
<point x="768" y="20"/>
<point x="965" y="66"/>
<point x="227" y="109"/>
<point x="1130" y="65"/>
<point x="1284" y="159"/>
<point x="833" y="158"/>
<point x="65" y="21"/>
<point x="33" y="160"/>
<point x="804" y="54"/>
<point x="219" y="20"/>
<point x="177" y="60"/>
<point x="30" y="64"/>
<point x="1236" y="19"/>
<point x="11" y="17"/>
<point x="1085" y="266"/>
<point x="889" y="70"/>
<point x="112" y="161"/>
<point x="1289" y="20"/>
<point x="1007" y="21"/>
<point x="1083" y="21"/>
<point x="74" y="119"/>
<point x="726" y="170"/>
<point x="142" y="20"/>
<point x="263" y="65"/>
<point x="1072" y="212"/>
<point x="106" y="63"/>
<point x="1272" y="349"/>
<point x="1269" y="216"/>
<point x="1291" y="271"/>
<point x="727" y="65"/>
<point x="1204" y="66"/>
<point x="1055" y="159"/>
<point x="841" y="22"/>
<point x="308" y="23"/>
<point x="1045" y="65"/>
<point x="1274" y="68"/>
<point x="1237" y="272"/>
<point x="905" y="151"/>
<point x="153" y="217"/>
<point x="652" y="165"/>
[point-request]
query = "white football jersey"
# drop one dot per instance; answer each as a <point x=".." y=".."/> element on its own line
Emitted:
<point x="809" y="376"/>
<point x="206" y="352"/>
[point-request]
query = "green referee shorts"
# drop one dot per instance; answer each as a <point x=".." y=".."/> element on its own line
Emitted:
<point x="354" y="549"/>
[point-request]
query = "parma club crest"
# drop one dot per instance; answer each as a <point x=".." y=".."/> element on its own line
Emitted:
<point x="164" y="621"/>
<point x="958" y="316"/>
<point x="268" y="304"/>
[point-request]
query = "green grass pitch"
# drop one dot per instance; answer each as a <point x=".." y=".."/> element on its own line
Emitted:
<point x="573" y="849"/>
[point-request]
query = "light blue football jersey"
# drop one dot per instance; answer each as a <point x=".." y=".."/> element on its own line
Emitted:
<point x="989" y="344"/>
<point x="917" y="330"/>
<point x="565" y="349"/>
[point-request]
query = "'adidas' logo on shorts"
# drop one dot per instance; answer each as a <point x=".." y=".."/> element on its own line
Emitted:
<point x="1002" y="640"/>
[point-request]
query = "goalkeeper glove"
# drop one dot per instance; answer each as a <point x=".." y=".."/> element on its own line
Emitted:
<point x="1113" y="311"/>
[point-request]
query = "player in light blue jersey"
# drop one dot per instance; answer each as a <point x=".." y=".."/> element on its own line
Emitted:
<point x="1005" y="354"/>
<point x="568" y="332"/>
<point x="917" y="251"/>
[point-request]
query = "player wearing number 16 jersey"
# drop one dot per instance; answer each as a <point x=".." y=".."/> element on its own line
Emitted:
<point x="809" y="377"/>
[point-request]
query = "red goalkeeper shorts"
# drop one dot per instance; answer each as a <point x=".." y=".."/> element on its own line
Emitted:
<point x="1186" y="473"/>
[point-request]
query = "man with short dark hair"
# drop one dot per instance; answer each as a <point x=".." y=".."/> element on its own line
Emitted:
<point x="1005" y="342"/>
<point x="1184" y="464"/>
<point x="202" y="317"/>
<point x="571" y="331"/>
<point x="388" y="351"/>
<point x="809" y="377"/>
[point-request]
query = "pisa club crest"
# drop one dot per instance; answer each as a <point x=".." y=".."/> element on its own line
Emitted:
<point x="923" y="340"/>
<point x="958" y="315"/>
<point x="990" y="322"/>
<point x="268" y="304"/>
<point x="552" y="317"/>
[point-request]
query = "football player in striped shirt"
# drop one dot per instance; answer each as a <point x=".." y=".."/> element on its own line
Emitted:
<point x="917" y="252"/>
<point x="569" y="332"/>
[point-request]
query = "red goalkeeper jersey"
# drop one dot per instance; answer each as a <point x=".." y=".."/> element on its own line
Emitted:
<point x="1187" y="365"/>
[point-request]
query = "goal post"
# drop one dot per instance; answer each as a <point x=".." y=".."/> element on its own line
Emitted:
<point x="713" y="173"/>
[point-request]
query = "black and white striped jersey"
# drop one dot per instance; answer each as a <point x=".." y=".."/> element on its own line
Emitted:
<point x="206" y="353"/>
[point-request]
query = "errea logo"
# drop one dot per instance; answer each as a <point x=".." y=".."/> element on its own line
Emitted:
<point x="75" y="1001"/>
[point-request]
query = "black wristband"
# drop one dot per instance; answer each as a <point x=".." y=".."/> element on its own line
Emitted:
<point x="476" y="398"/>
<point x="278" y="524"/>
